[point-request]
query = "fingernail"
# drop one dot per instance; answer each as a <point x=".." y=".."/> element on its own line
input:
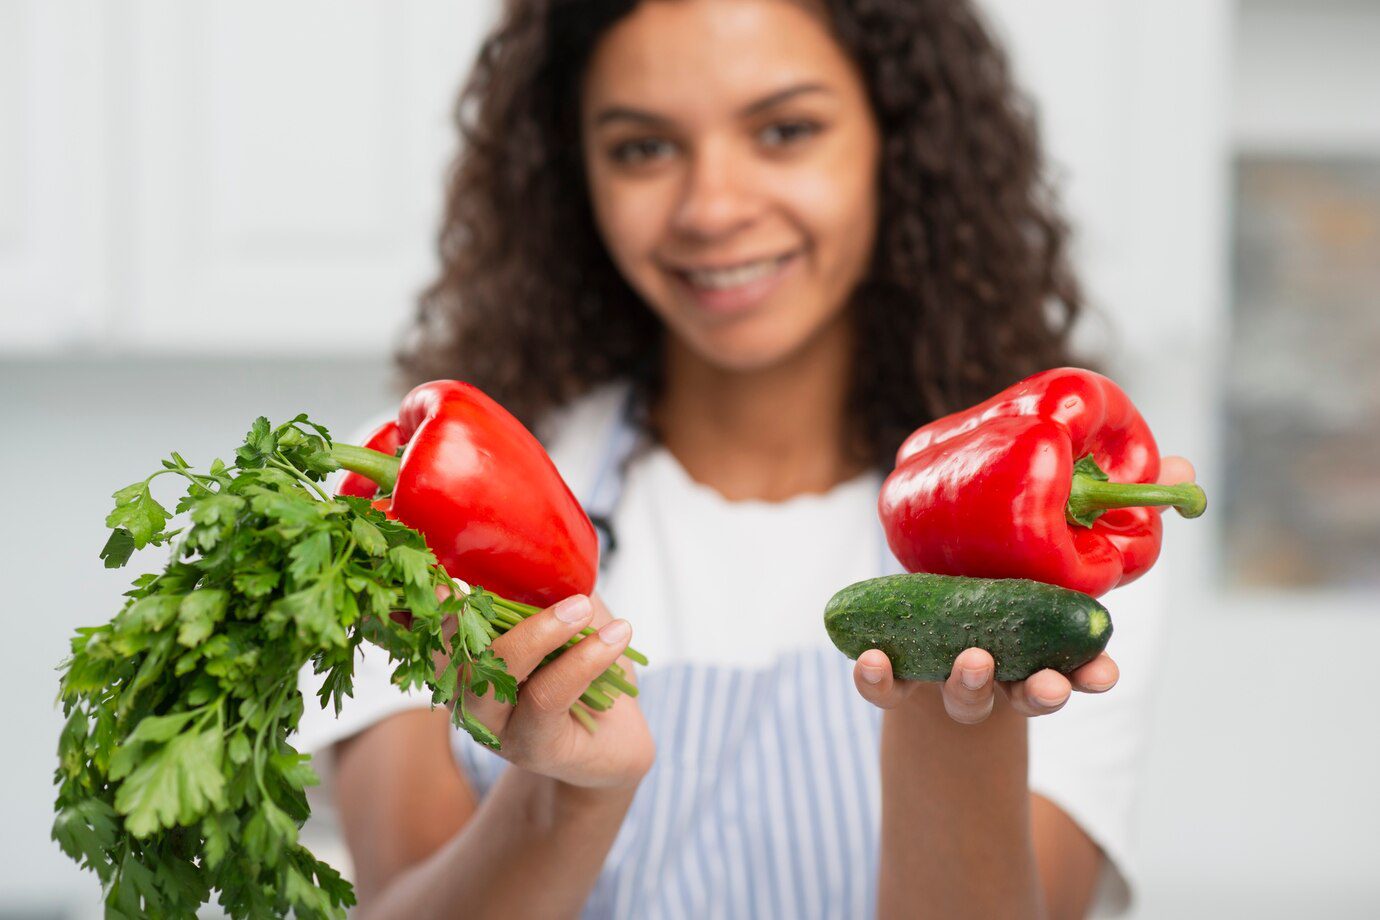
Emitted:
<point x="872" y="675"/>
<point x="573" y="609"/>
<point x="973" y="678"/>
<point x="615" y="631"/>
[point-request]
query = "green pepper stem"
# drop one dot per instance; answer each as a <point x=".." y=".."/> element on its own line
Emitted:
<point x="375" y="465"/>
<point x="1090" y="496"/>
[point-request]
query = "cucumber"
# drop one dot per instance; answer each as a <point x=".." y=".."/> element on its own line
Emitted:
<point x="922" y="622"/>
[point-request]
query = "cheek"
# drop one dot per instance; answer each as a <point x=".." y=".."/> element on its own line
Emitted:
<point x="629" y="218"/>
<point x="837" y="207"/>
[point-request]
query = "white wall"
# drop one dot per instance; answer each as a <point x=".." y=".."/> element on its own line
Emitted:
<point x="168" y="166"/>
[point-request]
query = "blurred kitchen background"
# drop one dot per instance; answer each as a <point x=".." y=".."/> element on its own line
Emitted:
<point x="214" y="210"/>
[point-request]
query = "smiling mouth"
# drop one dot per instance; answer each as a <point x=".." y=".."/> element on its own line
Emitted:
<point x="734" y="276"/>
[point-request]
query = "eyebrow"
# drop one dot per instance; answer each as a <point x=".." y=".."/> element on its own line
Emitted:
<point x="643" y="117"/>
<point x="780" y="96"/>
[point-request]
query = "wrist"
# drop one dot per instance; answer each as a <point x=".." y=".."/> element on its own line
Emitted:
<point x="549" y="805"/>
<point x="585" y="805"/>
<point x="595" y="796"/>
<point x="923" y="714"/>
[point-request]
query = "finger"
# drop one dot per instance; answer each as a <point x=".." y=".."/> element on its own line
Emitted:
<point x="873" y="677"/>
<point x="602" y="616"/>
<point x="548" y="694"/>
<point x="1039" y="694"/>
<point x="1097" y="676"/>
<point x="1174" y="470"/>
<point x="601" y="611"/>
<point x="968" y="691"/>
<point x="524" y="646"/>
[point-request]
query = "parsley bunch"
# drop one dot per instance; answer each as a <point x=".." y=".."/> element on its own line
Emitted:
<point x="176" y="779"/>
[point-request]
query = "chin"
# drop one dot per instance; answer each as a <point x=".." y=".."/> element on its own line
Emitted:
<point x="747" y="349"/>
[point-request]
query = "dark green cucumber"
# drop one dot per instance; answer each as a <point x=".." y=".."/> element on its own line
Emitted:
<point x="922" y="622"/>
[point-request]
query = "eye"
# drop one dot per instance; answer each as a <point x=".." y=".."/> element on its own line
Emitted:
<point x="788" y="133"/>
<point x="641" y="150"/>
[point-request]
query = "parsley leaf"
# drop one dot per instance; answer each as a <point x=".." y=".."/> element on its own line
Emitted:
<point x="86" y="830"/>
<point x="118" y="548"/>
<point x="175" y="785"/>
<point x="488" y="669"/>
<point x="138" y="514"/>
<point x="369" y="537"/>
<point x="199" y="613"/>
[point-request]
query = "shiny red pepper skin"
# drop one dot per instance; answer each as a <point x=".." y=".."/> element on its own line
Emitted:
<point x="983" y="492"/>
<point x="485" y="495"/>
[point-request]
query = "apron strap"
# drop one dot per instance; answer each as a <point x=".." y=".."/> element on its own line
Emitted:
<point x="622" y="437"/>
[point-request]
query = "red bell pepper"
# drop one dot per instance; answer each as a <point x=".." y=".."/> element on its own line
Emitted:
<point x="481" y="490"/>
<point x="1051" y="480"/>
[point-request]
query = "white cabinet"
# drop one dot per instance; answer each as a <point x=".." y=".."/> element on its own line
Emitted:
<point x="223" y="175"/>
<point x="53" y="163"/>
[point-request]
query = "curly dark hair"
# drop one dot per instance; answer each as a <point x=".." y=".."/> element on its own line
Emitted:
<point x="969" y="288"/>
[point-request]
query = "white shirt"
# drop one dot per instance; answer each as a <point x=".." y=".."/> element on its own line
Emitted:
<point x="720" y="591"/>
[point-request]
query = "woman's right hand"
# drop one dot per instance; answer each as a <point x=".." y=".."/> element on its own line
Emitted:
<point x="538" y="733"/>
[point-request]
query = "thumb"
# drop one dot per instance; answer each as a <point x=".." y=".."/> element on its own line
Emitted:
<point x="1174" y="470"/>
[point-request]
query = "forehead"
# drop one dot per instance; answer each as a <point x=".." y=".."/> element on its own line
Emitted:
<point x="700" y="55"/>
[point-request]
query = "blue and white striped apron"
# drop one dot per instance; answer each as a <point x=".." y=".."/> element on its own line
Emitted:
<point x="765" y="796"/>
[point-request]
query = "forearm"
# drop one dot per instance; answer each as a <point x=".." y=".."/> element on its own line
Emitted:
<point x="533" y="848"/>
<point x="956" y="826"/>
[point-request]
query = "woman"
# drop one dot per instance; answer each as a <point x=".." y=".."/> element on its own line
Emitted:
<point x="724" y="255"/>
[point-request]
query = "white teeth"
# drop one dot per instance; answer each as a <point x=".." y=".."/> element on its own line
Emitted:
<point x="718" y="279"/>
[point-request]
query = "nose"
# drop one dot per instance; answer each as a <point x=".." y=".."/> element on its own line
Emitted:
<point x="716" y="200"/>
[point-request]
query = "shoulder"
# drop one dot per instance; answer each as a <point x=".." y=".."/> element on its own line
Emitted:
<point x="575" y="434"/>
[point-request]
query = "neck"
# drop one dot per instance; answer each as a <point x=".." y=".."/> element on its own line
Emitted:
<point x="767" y="434"/>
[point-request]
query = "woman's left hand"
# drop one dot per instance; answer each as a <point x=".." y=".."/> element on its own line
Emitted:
<point x="970" y="692"/>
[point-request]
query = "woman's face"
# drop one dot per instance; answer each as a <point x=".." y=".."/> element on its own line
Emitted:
<point x="731" y="156"/>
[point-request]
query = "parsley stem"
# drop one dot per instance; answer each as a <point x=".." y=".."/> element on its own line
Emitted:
<point x="195" y="478"/>
<point x="294" y="471"/>
<point x="619" y="681"/>
<point x="263" y="732"/>
<point x="209" y="709"/>
<point x="583" y="716"/>
<point x="596" y="698"/>
<point x="490" y="631"/>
